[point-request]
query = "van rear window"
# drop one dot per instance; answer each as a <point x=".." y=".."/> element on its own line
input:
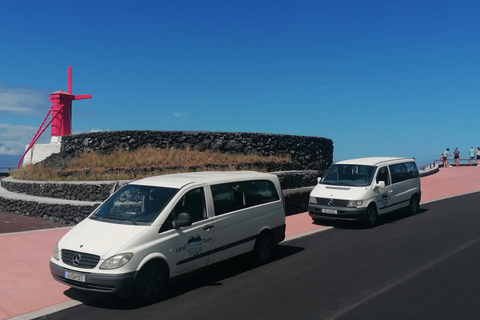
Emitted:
<point x="348" y="175"/>
<point x="234" y="196"/>
<point x="403" y="171"/>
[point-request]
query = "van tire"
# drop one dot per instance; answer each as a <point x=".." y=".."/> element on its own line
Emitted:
<point x="414" y="205"/>
<point x="150" y="284"/>
<point x="371" y="218"/>
<point x="263" y="249"/>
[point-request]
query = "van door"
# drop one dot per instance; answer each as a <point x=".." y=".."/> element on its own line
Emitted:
<point x="404" y="178"/>
<point x="242" y="209"/>
<point x="190" y="247"/>
<point x="384" y="197"/>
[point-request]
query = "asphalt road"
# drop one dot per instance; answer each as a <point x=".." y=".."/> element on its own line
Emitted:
<point x="425" y="266"/>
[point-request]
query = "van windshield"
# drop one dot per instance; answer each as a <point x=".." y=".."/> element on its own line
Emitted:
<point x="136" y="205"/>
<point x="349" y="175"/>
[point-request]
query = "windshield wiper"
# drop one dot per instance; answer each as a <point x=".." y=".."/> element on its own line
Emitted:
<point x="132" y="221"/>
<point x="115" y="218"/>
<point x="107" y="217"/>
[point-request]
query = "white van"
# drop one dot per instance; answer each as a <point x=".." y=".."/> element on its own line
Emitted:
<point x="158" y="228"/>
<point x="362" y="189"/>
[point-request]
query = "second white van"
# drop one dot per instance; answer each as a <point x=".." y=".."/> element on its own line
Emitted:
<point x="158" y="228"/>
<point x="364" y="188"/>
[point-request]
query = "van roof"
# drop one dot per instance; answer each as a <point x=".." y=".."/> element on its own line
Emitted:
<point x="374" y="161"/>
<point x="179" y="180"/>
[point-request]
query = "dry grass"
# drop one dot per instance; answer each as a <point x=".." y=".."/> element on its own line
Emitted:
<point x="149" y="157"/>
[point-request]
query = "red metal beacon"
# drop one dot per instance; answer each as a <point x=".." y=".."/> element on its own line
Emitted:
<point x="59" y="115"/>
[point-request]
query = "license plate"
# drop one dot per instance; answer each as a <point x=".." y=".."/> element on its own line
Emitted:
<point x="74" y="276"/>
<point x="331" y="211"/>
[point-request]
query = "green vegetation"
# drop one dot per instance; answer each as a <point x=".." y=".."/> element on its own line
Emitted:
<point x="93" y="166"/>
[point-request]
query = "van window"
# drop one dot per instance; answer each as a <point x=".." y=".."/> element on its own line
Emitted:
<point x="135" y="205"/>
<point x="193" y="203"/>
<point x="229" y="197"/>
<point x="412" y="170"/>
<point x="403" y="171"/>
<point x="399" y="172"/>
<point x="349" y="175"/>
<point x="261" y="192"/>
<point x="383" y="175"/>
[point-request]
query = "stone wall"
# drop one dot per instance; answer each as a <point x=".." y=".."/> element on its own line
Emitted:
<point x="99" y="190"/>
<point x="296" y="200"/>
<point x="80" y="191"/>
<point x="310" y="157"/>
<point x="293" y="186"/>
<point x="61" y="213"/>
<point x="307" y="153"/>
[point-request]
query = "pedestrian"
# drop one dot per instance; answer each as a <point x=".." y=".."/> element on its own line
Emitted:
<point x="444" y="157"/>
<point x="456" y="157"/>
<point x="478" y="156"/>
<point x="471" y="154"/>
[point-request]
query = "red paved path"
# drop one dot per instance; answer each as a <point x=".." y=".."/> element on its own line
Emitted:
<point x="26" y="284"/>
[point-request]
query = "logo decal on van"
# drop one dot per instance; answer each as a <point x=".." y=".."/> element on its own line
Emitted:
<point x="194" y="245"/>
<point x="384" y="200"/>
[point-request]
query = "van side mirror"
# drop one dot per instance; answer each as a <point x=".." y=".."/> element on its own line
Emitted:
<point x="318" y="180"/>
<point x="380" y="185"/>
<point x="183" y="219"/>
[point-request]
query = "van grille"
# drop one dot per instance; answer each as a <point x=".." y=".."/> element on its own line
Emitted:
<point x="80" y="259"/>
<point x="332" y="202"/>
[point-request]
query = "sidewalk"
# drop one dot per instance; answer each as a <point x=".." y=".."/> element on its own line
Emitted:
<point x="28" y="290"/>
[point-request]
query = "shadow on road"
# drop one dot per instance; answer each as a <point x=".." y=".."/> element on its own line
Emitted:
<point x="384" y="219"/>
<point x="210" y="276"/>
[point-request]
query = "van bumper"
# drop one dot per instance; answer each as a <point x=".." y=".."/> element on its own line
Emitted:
<point x="118" y="284"/>
<point x="342" y="213"/>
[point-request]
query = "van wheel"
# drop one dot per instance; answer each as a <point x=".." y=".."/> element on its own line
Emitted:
<point x="414" y="205"/>
<point x="150" y="284"/>
<point x="263" y="249"/>
<point x="371" y="218"/>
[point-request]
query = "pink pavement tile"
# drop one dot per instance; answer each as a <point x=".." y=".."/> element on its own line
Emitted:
<point x="300" y="223"/>
<point x="450" y="182"/>
<point x="26" y="282"/>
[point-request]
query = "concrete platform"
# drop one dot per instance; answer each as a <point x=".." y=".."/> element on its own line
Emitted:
<point x="28" y="291"/>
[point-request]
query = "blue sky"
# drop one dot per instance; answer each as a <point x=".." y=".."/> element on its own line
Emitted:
<point x="379" y="78"/>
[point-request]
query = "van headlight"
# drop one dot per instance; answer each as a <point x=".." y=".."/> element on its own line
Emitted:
<point x="354" y="203"/>
<point x="56" y="252"/>
<point x="116" y="261"/>
<point x="312" y="200"/>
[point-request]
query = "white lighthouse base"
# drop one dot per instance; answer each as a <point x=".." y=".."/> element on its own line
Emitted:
<point x="40" y="152"/>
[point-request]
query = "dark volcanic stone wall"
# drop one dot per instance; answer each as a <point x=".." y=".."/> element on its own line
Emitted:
<point x="310" y="157"/>
<point x="307" y="153"/>
<point x="94" y="191"/>
<point x="61" y="213"/>
<point x="296" y="200"/>
<point x="82" y="191"/>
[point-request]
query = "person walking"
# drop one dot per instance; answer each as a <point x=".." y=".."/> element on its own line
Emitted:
<point x="456" y="157"/>
<point x="471" y="154"/>
<point x="478" y="156"/>
<point x="445" y="158"/>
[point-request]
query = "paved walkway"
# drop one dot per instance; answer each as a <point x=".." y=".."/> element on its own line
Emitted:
<point x="27" y="290"/>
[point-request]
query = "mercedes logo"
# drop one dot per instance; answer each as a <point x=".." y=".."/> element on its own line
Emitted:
<point x="76" y="259"/>
<point x="330" y="202"/>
